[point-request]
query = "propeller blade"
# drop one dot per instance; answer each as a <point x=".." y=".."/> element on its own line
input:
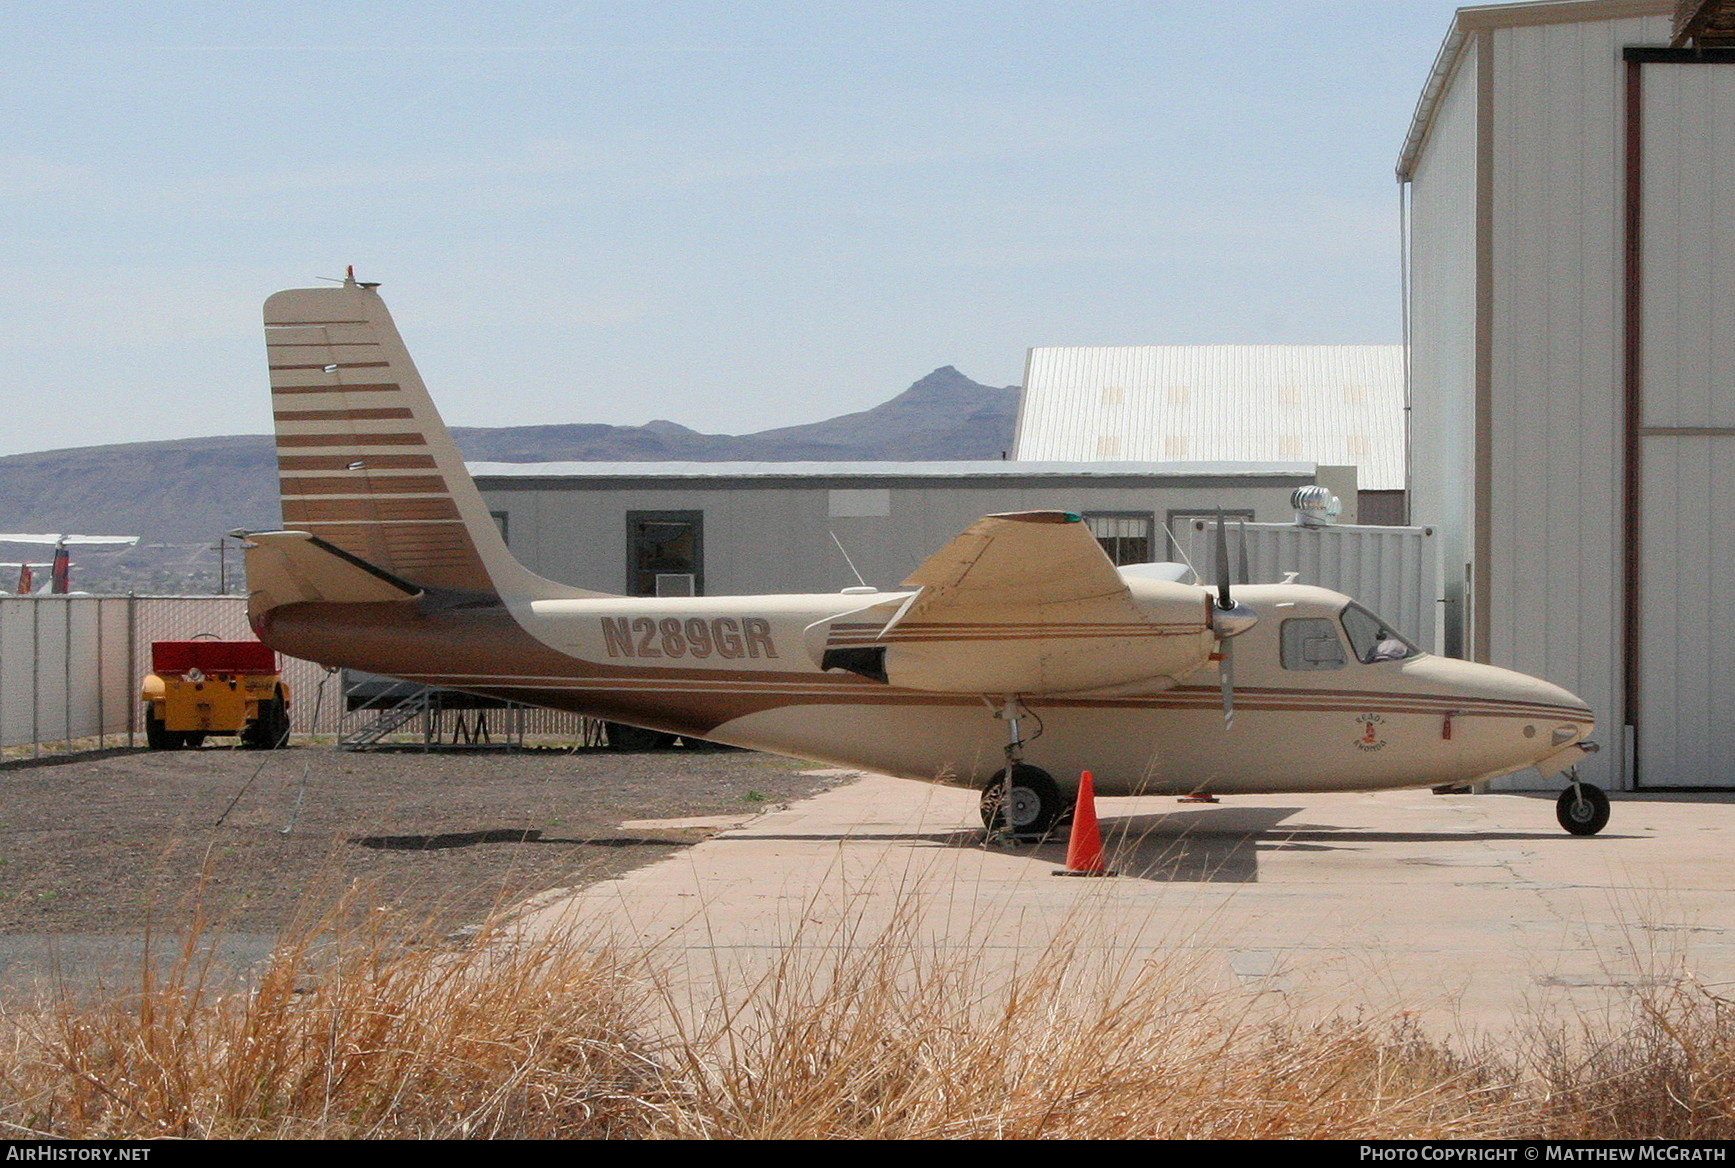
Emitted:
<point x="1226" y="672"/>
<point x="1223" y="598"/>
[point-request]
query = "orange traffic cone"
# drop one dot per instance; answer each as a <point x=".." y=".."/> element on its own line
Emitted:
<point x="1084" y="848"/>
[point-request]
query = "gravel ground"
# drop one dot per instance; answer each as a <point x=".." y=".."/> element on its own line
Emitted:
<point x="123" y="842"/>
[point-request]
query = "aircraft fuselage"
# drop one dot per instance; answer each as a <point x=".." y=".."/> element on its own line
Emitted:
<point x="744" y="671"/>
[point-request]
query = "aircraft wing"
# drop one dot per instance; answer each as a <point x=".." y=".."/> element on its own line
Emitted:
<point x="1023" y="562"/>
<point x="1023" y="603"/>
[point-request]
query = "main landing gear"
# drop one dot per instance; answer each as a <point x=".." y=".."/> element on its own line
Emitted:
<point x="1582" y="808"/>
<point x="1036" y="803"/>
<point x="1020" y="802"/>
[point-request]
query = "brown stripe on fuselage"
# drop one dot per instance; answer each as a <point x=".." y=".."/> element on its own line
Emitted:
<point x="304" y="440"/>
<point x="1326" y="701"/>
<point x="818" y="689"/>
<point x="364" y="414"/>
<point x="487" y="652"/>
<point x="1060" y="631"/>
<point x="360" y="483"/>
<point x="399" y="639"/>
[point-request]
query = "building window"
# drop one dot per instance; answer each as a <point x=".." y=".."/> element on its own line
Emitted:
<point x="500" y="521"/>
<point x="1125" y="536"/>
<point x="665" y="553"/>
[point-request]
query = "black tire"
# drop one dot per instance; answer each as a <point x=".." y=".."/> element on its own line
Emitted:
<point x="159" y="736"/>
<point x="637" y="738"/>
<point x="1582" y="814"/>
<point x="270" y="729"/>
<point x="1036" y="802"/>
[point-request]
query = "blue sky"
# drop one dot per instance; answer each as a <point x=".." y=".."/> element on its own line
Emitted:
<point x="733" y="216"/>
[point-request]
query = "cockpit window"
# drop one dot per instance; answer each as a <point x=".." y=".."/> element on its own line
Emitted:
<point x="1371" y="639"/>
<point x="1311" y="643"/>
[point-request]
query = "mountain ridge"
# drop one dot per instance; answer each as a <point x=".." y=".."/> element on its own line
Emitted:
<point x="179" y="495"/>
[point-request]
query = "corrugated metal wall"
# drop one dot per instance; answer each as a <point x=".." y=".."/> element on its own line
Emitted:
<point x="1443" y="337"/>
<point x="1685" y="715"/>
<point x="1554" y="501"/>
<point x="1538" y="100"/>
<point x="64" y="668"/>
<point x="1395" y="571"/>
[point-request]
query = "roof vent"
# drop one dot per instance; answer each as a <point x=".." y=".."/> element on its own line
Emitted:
<point x="1315" y="506"/>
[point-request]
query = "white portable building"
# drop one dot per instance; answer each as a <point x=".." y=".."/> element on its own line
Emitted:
<point x="744" y="528"/>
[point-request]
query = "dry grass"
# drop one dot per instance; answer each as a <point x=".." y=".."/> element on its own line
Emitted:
<point x="361" y="1034"/>
<point x="887" y="1044"/>
<point x="363" y="1031"/>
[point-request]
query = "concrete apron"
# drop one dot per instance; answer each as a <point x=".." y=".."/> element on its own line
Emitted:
<point x="1472" y="915"/>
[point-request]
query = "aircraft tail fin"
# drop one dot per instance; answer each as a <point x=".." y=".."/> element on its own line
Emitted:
<point x="364" y="461"/>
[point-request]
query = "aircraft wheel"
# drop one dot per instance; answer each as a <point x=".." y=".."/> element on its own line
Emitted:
<point x="1036" y="802"/>
<point x="159" y="736"/>
<point x="192" y="739"/>
<point x="1582" y="810"/>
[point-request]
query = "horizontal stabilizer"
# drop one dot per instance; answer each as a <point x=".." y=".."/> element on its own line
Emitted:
<point x="294" y="567"/>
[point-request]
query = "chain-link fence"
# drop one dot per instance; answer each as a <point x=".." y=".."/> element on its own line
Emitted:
<point x="71" y="666"/>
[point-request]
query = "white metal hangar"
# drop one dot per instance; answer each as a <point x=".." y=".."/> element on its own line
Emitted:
<point x="711" y="528"/>
<point x="1334" y="404"/>
<point x="1571" y="207"/>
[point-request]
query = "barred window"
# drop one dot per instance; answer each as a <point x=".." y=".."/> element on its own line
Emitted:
<point x="1125" y="536"/>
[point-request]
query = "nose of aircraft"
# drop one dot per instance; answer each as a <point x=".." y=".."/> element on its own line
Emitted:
<point x="1515" y="720"/>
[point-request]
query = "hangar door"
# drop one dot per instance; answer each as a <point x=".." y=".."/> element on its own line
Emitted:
<point x="1681" y="386"/>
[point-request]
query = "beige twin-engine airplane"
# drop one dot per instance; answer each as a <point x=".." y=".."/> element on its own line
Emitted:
<point x="1014" y="658"/>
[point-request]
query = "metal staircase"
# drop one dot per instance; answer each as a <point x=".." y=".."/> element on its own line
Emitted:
<point x="390" y="715"/>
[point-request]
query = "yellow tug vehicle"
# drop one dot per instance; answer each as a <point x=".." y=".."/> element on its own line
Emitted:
<point x="199" y="688"/>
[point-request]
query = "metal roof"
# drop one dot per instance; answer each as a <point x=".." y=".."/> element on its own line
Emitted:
<point x="1338" y="405"/>
<point x="998" y="468"/>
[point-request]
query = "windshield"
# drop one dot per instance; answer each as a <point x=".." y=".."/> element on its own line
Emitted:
<point x="1372" y="639"/>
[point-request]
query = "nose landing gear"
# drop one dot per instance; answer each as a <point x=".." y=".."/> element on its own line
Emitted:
<point x="1582" y="808"/>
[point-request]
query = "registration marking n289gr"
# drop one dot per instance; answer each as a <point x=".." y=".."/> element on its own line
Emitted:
<point x="723" y="636"/>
